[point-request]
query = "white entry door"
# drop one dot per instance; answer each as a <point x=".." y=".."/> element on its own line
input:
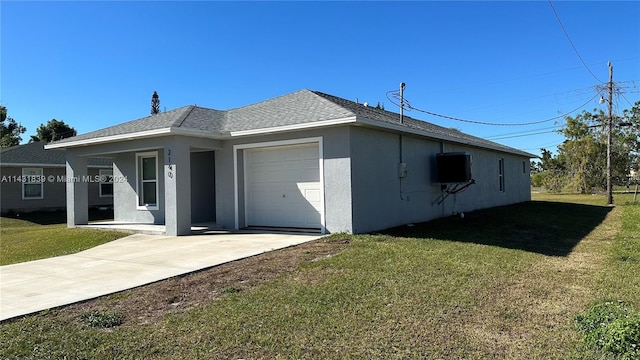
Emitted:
<point x="282" y="186"/>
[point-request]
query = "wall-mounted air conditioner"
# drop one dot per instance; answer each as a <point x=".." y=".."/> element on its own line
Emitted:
<point x="453" y="167"/>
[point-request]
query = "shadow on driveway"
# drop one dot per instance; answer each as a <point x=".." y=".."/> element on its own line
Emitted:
<point x="549" y="228"/>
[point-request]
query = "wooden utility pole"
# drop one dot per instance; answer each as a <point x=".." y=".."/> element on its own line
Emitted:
<point x="609" y="130"/>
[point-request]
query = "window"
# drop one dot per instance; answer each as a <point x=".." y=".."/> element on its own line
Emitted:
<point x="106" y="183"/>
<point x="32" y="181"/>
<point x="147" y="182"/>
<point x="501" y="174"/>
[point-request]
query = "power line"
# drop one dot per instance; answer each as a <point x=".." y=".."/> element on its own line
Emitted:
<point x="524" y="132"/>
<point x="522" y="135"/>
<point x="552" y="144"/>
<point x="409" y="107"/>
<point x="571" y="42"/>
<point x="627" y="100"/>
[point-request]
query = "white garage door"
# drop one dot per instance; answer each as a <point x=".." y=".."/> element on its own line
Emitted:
<point x="282" y="186"/>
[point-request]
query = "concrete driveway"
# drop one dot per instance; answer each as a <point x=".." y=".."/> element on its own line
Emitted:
<point x="124" y="264"/>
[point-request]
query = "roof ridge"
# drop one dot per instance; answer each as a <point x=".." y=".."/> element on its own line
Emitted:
<point x="180" y="122"/>
<point x="268" y="100"/>
<point x="323" y="97"/>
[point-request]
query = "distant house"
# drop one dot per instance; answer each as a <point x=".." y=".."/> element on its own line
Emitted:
<point x="306" y="160"/>
<point x="33" y="179"/>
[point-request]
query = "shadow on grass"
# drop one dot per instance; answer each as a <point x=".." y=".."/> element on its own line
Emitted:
<point x="59" y="217"/>
<point x="549" y="228"/>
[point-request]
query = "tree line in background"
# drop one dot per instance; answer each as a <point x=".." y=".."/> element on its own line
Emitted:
<point x="581" y="161"/>
<point x="11" y="131"/>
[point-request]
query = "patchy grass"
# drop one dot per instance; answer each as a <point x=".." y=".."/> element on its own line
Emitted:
<point x="25" y="240"/>
<point x="502" y="283"/>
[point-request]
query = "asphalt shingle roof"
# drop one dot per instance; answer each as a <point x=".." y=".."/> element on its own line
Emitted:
<point x="300" y="107"/>
<point x="34" y="153"/>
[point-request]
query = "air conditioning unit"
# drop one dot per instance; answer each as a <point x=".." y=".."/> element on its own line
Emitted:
<point x="453" y="167"/>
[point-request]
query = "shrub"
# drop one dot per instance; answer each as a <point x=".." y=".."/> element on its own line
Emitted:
<point x="231" y="289"/>
<point x="105" y="319"/>
<point x="613" y="327"/>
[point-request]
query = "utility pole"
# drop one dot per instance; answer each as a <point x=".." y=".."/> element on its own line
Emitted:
<point x="402" y="85"/>
<point x="609" y="129"/>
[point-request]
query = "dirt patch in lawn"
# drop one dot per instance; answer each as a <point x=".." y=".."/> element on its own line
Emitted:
<point x="151" y="303"/>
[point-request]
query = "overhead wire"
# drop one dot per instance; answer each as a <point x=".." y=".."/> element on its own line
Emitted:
<point x="522" y="135"/>
<point x="524" y="132"/>
<point x="571" y="42"/>
<point x="407" y="105"/>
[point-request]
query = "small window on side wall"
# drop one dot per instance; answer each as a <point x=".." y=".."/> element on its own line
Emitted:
<point x="106" y="183"/>
<point x="32" y="183"/>
<point x="147" y="180"/>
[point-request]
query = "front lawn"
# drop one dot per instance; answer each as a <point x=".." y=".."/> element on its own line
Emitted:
<point x="44" y="235"/>
<point x="501" y="283"/>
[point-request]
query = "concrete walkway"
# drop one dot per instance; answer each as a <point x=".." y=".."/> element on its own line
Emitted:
<point x="123" y="264"/>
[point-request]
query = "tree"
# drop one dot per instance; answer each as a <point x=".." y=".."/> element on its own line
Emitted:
<point x="52" y="131"/>
<point x="580" y="164"/>
<point x="631" y="122"/>
<point x="155" y="103"/>
<point x="10" y="130"/>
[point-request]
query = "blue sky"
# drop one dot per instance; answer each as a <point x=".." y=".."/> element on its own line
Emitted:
<point x="95" y="64"/>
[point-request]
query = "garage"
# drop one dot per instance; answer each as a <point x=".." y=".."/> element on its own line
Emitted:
<point x="283" y="187"/>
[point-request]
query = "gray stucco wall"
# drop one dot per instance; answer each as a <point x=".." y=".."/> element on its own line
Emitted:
<point x="54" y="192"/>
<point x="174" y="168"/>
<point x="486" y="192"/>
<point x="124" y="200"/>
<point x="382" y="199"/>
<point x="362" y="188"/>
<point x="337" y="168"/>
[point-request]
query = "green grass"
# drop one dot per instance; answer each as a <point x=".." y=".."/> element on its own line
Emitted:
<point x="502" y="283"/>
<point x="25" y="240"/>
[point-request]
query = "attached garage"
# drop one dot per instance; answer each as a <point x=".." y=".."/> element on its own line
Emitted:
<point x="283" y="186"/>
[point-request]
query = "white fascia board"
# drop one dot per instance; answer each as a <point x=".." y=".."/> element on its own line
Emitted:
<point x="112" y="138"/>
<point x="51" y="165"/>
<point x="276" y="129"/>
<point x="42" y="165"/>
<point x="131" y="136"/>
<point x="196" y="133"/>
<point x="404" y="129"/>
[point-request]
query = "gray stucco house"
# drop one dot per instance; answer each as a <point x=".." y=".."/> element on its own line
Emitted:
<point x="33" y="179"/>
<point x="303" y="160"/>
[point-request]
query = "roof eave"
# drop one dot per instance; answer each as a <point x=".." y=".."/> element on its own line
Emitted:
<point x="294" y="127"/>
<point x="48" y="165"/>
<point x="436" y="136"/>
<point x="132" y="136"/>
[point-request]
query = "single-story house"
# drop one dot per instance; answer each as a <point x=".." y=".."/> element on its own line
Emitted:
<point x="305" y="160"/>
<point x="33" y="179"/>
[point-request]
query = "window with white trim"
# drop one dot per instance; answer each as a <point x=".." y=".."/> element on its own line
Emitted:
<point x="501" y="174"/>
<point x="147" y="180"/>
<point x="32" y="183"/>
<point x="106" y="183"/>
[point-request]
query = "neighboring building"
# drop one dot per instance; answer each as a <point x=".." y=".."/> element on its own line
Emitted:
<point x="33" y="179"/>
<point x="303" y="160"/>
